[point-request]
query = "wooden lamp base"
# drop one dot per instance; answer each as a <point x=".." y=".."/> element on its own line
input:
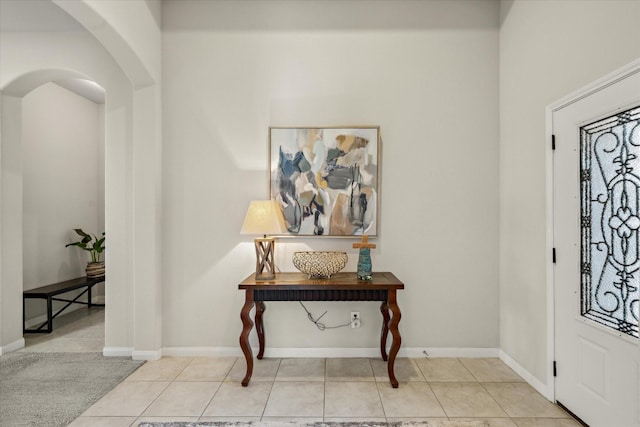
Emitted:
<point x="265" y="248"/>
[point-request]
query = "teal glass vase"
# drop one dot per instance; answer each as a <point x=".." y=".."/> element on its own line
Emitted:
<point x="364" y="264"/>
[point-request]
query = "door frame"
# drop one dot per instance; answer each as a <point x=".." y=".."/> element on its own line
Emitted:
<point x="596" y="86"/>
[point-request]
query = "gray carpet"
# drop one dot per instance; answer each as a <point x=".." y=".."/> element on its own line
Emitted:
<point x="438" y="423"/>
<point x="53" y="389"/>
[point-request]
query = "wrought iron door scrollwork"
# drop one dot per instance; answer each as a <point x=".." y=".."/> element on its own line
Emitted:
<point x="610" y="221"/>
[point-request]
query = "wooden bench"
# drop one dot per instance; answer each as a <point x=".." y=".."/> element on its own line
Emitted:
<point x="50" y="291"/>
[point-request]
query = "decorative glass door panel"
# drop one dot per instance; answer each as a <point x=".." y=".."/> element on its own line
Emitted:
<point x="610" y="223"/>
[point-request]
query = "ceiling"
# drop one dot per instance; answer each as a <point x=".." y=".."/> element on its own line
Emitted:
<point x="44" y="16"/>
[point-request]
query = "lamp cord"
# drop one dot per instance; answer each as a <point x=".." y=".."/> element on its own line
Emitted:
<point x="321" y="326"/>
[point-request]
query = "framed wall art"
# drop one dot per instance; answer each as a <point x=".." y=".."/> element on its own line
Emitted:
<point x="326" y="179"/>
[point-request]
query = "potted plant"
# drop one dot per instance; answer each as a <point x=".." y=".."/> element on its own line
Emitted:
<point x="95" y="246"/>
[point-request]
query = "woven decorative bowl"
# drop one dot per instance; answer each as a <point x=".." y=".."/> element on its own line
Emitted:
<point x="320" y="264"/>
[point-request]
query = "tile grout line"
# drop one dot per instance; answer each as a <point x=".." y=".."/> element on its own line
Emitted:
<point x="459" y="359"/>
<point x="324" y="392"/>
<point x="487" y="391"/>
<point x="416" y="366"/>
<point x="170" y="382"/>
<point x="264" y="408"/>
<point x="439" y="402"/>
<point x="156" y="398"/>
<point x="217" y="390"/>
<point x="494" y="399"/>
<point x="377" y="383"/>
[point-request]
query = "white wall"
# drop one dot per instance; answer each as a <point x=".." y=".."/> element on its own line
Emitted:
<point x="10" y="223"/>
<point x="548" y="49"/>
<point x="426" y="72"/>
<point x="61" y="166"/>
<point x="100" y="171"/>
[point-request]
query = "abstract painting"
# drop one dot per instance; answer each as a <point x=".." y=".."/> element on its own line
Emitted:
<point x="326" y="179"/>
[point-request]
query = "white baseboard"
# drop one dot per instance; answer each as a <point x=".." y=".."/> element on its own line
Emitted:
<point x="130" y="352"/>
<point x="328" y="352"/>
<point x="117" y="351"/>
<point x="146" y="355"/>
<point x="204" y="351"/>
<point x="543" y="389"/>
<point x="16" y="345"/>
<point x="472" y="352"/>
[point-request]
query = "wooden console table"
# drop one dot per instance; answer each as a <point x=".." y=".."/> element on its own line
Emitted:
<point x="340" y="287"/>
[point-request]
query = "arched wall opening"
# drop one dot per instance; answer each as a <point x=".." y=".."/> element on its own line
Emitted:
<point x="121" y="52"/>
<point x="118" y="136"/>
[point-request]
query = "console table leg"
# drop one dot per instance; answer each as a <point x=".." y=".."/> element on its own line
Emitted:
<point x="384" y="309"/>
<point x="247" y="325"/>
<point x="260" y="308"/>
<point x="395" y="333"/>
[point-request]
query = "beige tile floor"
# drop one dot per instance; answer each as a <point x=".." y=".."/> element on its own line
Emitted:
<point x="208" y="388"/>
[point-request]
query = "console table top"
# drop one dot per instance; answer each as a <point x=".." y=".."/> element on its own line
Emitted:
<point x="342" y="280"/>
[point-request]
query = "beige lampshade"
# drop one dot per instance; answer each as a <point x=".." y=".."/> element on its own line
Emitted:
<point x="263" y="217"/>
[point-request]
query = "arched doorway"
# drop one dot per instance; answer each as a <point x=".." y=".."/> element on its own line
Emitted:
<point x="63" y="189"/>
<point x="12" y="180"/>
<point x="132" y="164"/>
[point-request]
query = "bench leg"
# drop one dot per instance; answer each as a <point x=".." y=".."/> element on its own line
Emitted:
<point x="39" y="329"/>
<point x="49" y="315"/>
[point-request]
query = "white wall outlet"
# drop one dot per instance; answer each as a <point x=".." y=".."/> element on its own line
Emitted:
<point x="355" y="319"/>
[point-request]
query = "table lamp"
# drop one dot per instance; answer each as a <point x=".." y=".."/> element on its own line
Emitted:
<point x="264" y="217"/>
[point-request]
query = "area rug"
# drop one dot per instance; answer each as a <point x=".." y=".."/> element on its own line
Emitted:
<point x="53" y="389"/>
<point x="434" y="423"/>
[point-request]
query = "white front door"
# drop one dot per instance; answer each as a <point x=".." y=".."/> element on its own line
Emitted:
<point x="596" y="235"/>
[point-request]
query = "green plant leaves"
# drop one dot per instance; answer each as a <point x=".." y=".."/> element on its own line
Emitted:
<point x="94" y="249"/>
<point x="82" y="245"/>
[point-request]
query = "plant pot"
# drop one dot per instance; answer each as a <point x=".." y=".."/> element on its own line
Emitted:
<point x="95" y="269"/>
